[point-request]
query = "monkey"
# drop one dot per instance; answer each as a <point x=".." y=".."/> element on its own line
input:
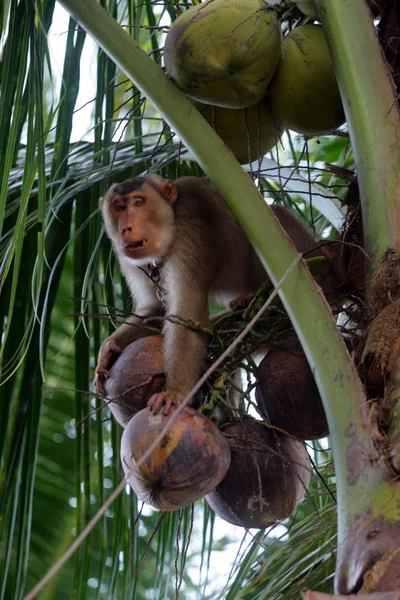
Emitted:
<point x="185" y="233"/>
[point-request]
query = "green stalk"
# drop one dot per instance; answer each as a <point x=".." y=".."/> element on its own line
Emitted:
<point x="373" y="116"/>
<point x="335" y="374"/>
<point x="371" y="528"/>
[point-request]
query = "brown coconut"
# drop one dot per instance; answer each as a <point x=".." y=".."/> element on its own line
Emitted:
<point x="267" y="477"/>
<point x="287" y="394"/>
<point x="135" y="377"/>
<point x="192" y="458"/>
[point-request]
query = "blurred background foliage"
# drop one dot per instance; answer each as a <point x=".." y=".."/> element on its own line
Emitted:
<point x="71" y="123"/>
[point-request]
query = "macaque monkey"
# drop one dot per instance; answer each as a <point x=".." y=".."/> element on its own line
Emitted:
<point x="185" y="230"/>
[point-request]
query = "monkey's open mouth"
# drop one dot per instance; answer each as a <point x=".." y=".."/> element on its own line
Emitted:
<point x="134" y="246"/>
<point x="139" y="244"/>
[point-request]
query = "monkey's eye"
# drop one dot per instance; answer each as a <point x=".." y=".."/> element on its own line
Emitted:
<point x="139" y="201"/>
<point x="119" y="207"/>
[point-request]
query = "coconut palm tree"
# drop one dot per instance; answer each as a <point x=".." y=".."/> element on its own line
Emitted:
<point x="62" y="293"/>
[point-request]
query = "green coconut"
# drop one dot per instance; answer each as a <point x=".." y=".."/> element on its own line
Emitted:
<point x="248" y="132"/>
<point x="307" y="7"/>
<point x="224" y="52"/>
<point x="304" y="93"/>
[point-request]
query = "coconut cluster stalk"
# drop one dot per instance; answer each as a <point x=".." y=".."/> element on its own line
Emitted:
<point x="336" y="376"/>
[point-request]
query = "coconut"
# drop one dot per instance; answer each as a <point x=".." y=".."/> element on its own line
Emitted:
<point x="267" y="477"/>
<point x="307" y="7"/>
<point x="224" y="52"/>
<point x="287" y="394"/>
<point x="248" y="132"/>
<point x="304" y="93"/>
<point x="191" y="459"/>
<point x="135" y="377"/>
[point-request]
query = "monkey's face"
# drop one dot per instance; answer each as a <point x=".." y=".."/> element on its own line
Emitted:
<point x="140" y="223"/>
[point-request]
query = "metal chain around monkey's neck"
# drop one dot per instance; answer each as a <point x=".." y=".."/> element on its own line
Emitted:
<point x="154" y="272"/>
<point x="155" y="276"/>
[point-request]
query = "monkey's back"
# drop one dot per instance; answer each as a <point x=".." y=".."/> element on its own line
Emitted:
<point x="207" y="224"/>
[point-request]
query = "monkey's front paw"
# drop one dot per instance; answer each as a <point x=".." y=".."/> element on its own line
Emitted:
<point x="168" y="400"/>
<point x="98" y="384"/>
<point x="108" y="354"/>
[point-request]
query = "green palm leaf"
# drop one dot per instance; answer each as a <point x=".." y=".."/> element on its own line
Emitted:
<point x="62" y="293"/>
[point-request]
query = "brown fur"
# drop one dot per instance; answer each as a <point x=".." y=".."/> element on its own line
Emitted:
<point x="202" y="252"/>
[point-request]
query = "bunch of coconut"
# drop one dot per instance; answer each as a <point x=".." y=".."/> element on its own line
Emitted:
<point x="228" y="55"/>
<point x="251" y="474"/>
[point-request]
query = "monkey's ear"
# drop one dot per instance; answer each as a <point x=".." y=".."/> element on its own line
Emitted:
<point x="169" y="191"/>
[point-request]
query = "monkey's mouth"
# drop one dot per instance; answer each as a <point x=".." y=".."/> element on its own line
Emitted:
<point x="133" y="247"/>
